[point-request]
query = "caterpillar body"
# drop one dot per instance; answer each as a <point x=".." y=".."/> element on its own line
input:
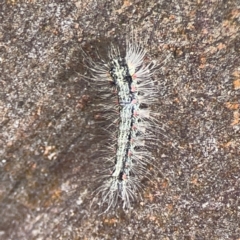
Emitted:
<point x="135" y="89"/>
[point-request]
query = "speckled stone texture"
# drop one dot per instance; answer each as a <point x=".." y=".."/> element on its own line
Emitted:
<point x="51" y="124"/>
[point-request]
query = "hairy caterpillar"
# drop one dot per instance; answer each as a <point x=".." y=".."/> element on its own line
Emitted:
<point x="135" y="90"/>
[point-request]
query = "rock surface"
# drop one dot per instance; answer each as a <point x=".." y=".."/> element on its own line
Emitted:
<point x="51" y="136"/>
